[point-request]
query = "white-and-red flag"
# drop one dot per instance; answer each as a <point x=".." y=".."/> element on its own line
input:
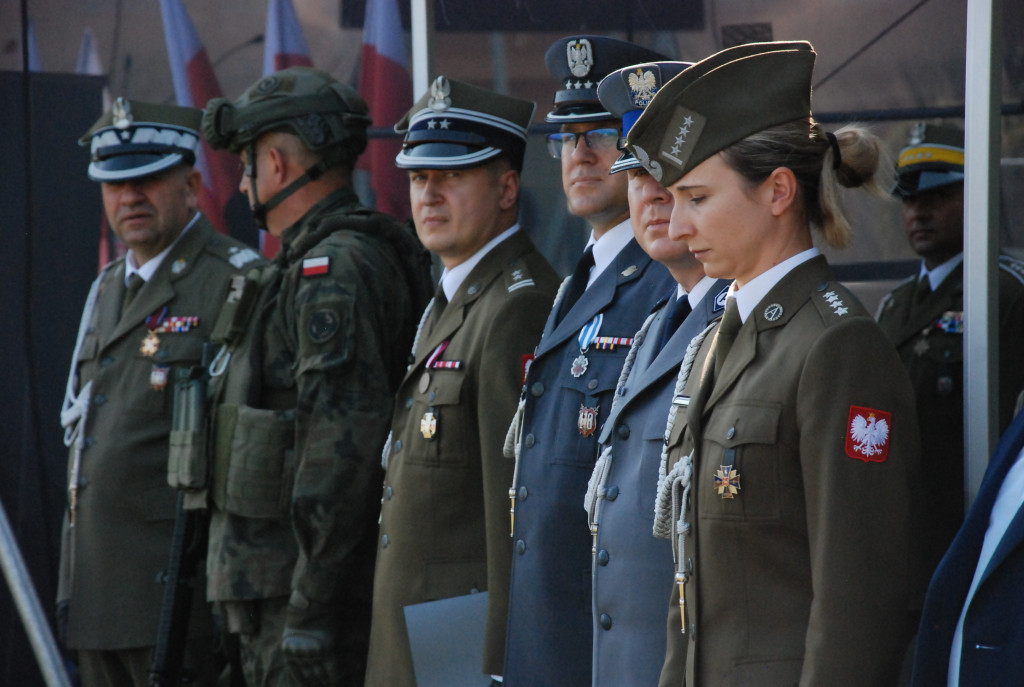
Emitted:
<point x="194" y="85"/>
<point x="385" y="83"/>
<point x="285" y="46"/>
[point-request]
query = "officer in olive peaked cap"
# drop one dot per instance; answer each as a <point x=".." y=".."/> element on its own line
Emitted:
<point x="149" y="312"/>
<point x="924" y="318"/>
<point x="444" y="513"/>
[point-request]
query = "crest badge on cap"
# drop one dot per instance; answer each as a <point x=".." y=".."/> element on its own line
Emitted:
<point x="440" y="94"/>
<point x="643" y="84"/>
<point x="122" y="114"/>
<point x="579" y="56"/>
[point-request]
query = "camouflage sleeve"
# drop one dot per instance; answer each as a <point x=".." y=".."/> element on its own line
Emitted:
<point x="344" y="406"/>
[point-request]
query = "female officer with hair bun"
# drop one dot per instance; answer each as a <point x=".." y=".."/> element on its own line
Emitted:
<point x="792" y="439"/>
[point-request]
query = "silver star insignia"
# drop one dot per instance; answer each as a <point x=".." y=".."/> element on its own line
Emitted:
<point x="431" y="124"/>
<point x="445" y="124"/>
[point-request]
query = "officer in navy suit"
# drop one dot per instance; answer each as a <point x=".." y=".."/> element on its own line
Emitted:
<point x="570" y="385"/>
<point x="972" y="626"/>
<point x="630" y="582"/>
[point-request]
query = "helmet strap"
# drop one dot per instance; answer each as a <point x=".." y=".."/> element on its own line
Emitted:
<point x="261" y="210"/>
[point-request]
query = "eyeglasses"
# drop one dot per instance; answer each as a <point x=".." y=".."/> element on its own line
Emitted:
<point x="598" y="140"/>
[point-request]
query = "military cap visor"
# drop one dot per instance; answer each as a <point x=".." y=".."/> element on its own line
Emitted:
<point x="720" y="101"/>
<point x="926" y="166"/>
<point x="456" y="125"/>
<point x="136" y="139"/>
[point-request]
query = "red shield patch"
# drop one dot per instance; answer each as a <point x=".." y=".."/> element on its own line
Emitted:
<point x="867" y="434"/>
<point x="527" y="361"/>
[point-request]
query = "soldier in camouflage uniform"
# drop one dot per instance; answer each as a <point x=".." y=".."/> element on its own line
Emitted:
<point x="304" y="404"/>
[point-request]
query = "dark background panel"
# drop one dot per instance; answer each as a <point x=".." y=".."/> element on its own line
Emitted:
<point x="49" y="236"/>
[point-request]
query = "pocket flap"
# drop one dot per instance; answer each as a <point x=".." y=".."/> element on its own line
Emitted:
<point x="744" y="423"/>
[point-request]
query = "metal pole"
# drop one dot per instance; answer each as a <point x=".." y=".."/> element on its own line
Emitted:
<point x="981" y="222"/>
<point x="51" y="665"/>
<point x="422" y="26"/>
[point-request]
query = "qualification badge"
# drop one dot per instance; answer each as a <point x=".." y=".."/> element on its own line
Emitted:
<point x="727" y="482"/>
<point x="428" y="425"/>
<point x="158" y="377"/>
<point x="587" y="422"/>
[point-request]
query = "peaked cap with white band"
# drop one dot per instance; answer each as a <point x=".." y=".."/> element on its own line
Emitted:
<point x="456" y="125"/>
<point x="135" y="139"/>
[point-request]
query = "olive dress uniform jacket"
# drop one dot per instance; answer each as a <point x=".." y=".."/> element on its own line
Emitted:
<point x="445" y="511"/>
<point x="121" y="537"/>
<point x="930" y="341"/>
<point x="994" y="625"/>
<point x="803" y="576"/>
<point x="550" y="639"/>
<point x="633" y="570"/>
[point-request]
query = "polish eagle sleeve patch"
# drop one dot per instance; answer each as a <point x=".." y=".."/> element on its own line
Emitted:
<point x="867" y="434"/>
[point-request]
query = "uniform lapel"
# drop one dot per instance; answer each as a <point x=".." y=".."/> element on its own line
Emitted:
<point x="108" y="308"/>
<point x="159" y="290"/>
<point x="790" y="293"/>
<point x="627" y="266"/>
<point x="477" y="281"/>
<point x="934" y="306"/>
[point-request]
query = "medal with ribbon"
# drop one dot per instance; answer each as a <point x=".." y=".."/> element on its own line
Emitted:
<point x="586" y="337"/>
<point x="151" y="344"/>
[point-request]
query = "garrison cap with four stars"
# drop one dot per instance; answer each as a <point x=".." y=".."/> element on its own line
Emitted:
<point x="720" y="101"/>
<point x="580" y="62"/>
<point x="456" y="125"/>
<point x="627" y="91"/>
<point x="933" y="157"/>
<point x="134" y="139"/>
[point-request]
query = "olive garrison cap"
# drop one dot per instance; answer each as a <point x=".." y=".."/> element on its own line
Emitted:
<point x="627" y="91"/>
<point x="719" y="101"/>
<point x="580" y="62"/>
<point x="933" y="157"/>
<point x="456" y="125"/>
<point x="305" y="101"/>
<point x="135" y="139"/>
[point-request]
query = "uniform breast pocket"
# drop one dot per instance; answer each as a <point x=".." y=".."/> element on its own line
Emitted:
<point x="739" y="468"/>
<point x="443" y="430"/>
<point x="172" y="350"/>
<point x="583" y="407"/>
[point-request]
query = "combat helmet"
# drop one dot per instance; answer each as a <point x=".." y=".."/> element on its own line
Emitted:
<point x="329" y="117"/>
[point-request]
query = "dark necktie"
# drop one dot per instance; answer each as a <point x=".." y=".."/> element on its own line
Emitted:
<point x="923" y="290"/>
<point x="135" y="282"/>
<point x="578" y="283"/>
<point x="730" y="324"/>
<point x="676" y="312"/>
<point x="439" y="302"/>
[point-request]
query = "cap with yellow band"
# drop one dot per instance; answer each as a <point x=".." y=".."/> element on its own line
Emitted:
<point x="933" y="157"/>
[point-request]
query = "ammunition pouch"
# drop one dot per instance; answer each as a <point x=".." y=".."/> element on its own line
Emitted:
<point x="188" y="463"/>
<point x="254" y="461"/>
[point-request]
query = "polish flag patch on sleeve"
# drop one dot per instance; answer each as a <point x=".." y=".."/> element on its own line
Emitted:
<point x="312" y="267"/>
<point x="867" y="434"/>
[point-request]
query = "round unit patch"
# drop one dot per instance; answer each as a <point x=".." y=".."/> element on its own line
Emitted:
<point x="323" y="324"/>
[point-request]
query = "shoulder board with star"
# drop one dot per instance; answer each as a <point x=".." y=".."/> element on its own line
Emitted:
<point x="835" y="302"/>
<point x="236" y="253"/>
<point x="517" y="276"/>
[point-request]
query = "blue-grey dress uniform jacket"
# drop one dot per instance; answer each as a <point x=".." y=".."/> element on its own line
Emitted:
<point x="121" y="540"/>
<point x="994" y="626"/>
<point x="549" y="633"/>
<point x="444" y="528"/>
<point x="632" y="569"/>
<point x="930" y="341"/>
